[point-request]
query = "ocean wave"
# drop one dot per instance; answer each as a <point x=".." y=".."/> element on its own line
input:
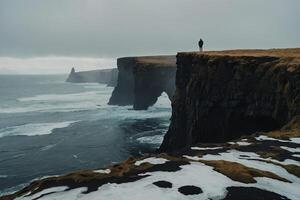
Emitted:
<point x="95" y="86"/>
<point x="50" y="146"/>
<point x="3" y="176"/>
<point x="89" y="100"/>
<point x="61" y="97"/>
<point x="80" y="106"/>
<point x="155" y="140"/>
<point x="34" y="129"/>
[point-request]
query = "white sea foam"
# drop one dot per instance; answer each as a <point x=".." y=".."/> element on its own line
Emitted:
<point x="58" y="102"/>
<point x="49" y="108"/>
<point x="50" y="146"/>
<point x="156" y="139"/>
<point x="34" y="129"/>
<point x="60" y="97"/>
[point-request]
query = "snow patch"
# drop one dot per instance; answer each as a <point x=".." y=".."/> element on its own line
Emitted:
<point x="205" y="148"/>
<point x="103" y="171"/>
<point x="240" y="143"/>
<point x="195" y="158"/>
<point x="43" y="192"/>
<point x="151" y="160"/>
<point x="264" y="137"/>
<point x="293" y="150"/>
<point x="295" y="140"/>
<point x="212" y="183"/>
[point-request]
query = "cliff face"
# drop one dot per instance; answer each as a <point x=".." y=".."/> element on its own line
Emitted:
<point x="123" y="92"/>
<point x="106" y="76"/>
<point x="223" y="95"/>
<point x="141" y="80"/>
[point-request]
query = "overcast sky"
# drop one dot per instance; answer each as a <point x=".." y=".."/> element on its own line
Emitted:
<point x="51" y="36"/>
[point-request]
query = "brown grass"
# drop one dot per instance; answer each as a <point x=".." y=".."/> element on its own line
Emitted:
<point x="289" y="55"/>
<point x="292" y="169"/>
<point x="283" y="134"/>
<point x="294" y="124"/>
<point x="239" y="172"/>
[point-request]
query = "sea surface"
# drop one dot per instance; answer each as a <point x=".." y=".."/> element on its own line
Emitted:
<point x="50" y="127"/>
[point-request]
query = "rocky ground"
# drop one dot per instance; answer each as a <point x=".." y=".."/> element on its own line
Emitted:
<point x="259" y="166"/>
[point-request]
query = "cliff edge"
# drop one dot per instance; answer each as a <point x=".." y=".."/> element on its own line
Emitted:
<point x="142" y="80"/>
<point x="223" y="95"/>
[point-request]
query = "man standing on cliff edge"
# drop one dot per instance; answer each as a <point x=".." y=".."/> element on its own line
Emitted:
<point x="200" y="43"/>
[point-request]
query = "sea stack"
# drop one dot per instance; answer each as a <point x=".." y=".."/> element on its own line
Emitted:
<point x="142" y="80"/>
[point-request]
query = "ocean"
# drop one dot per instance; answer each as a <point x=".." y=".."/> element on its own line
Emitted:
<point x="50" y="127"/>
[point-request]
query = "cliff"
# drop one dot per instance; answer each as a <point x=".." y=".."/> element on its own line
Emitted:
<point x="223" y="95"/>
<point x="142" y="80"/>
<point x="106" y="76"/>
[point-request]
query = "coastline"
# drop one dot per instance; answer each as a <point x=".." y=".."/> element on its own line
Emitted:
<point x="266" y="157"/>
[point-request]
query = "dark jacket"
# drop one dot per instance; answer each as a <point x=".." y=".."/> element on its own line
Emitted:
<point x="200" y="43"/>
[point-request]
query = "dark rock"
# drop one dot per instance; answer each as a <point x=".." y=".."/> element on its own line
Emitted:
<point x="123" y="91"/>
<point x="190" y="190"/>
<point x="250" y="193"/>
<point x="170" y="166"/>
<point x="163" y="184"/>
<point x="142" y="80"/>
<point x="219" y="97"/>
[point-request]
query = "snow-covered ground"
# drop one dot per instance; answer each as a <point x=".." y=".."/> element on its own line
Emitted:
<point x="189" y="176"/>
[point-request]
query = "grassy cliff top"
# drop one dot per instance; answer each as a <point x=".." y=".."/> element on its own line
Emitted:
<point x="290" y="55"/>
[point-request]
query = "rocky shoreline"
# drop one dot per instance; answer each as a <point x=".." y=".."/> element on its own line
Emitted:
<point x="234" y="134"/>
<point x="263" y="165"/>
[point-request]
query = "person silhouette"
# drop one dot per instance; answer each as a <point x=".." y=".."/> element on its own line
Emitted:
<point x="200" y="43"/>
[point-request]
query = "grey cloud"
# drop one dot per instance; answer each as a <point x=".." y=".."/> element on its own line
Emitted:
<point x="112" y="28"/>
